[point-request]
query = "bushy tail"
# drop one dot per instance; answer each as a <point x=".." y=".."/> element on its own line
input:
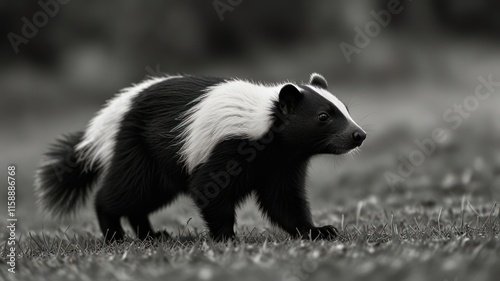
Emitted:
<point x="62" y="182"/>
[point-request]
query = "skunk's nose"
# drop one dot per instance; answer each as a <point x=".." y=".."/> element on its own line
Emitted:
<point x="359" y="136"/>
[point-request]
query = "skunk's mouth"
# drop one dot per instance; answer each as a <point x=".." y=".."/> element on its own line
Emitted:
<point x="340" y="150"/>
<point x="340" y="144"/>
<point x="337" y="149"/>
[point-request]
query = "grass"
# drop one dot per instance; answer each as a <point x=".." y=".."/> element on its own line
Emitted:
<point x="457" y="241"/>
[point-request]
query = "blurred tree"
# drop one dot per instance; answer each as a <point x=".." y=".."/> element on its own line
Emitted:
<point x="251" y="23"/>
<point x="39" y="50"/>
<point x="469" y="17"/>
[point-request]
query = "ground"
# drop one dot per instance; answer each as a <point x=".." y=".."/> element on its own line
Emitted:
<point x="409" y="244"/>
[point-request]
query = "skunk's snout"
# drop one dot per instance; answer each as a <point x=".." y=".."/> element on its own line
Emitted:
<point x="358" y="136"/>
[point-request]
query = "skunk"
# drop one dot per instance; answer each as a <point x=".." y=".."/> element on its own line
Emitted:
<point x="216" y="140"/>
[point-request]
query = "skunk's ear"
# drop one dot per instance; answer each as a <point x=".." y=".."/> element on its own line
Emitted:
<point x="289" y="98"/>
<point x="318" y="81"/>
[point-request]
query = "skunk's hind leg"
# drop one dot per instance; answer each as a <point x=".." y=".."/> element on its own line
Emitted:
<point x="109" y="222"/>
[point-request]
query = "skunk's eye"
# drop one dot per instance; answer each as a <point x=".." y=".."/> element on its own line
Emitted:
<point x="323" y="117"/>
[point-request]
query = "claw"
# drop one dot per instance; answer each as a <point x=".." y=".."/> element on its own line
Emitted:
<point x="328" y="232"/>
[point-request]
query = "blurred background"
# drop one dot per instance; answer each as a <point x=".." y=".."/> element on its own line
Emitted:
<point x="61" y="61"/>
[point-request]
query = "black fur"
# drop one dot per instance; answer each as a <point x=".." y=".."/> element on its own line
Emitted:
<point x="64" y="184"/>
<point x="146" y="174"/>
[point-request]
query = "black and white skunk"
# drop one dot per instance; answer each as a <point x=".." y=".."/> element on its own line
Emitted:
<point x="216" y="140"/>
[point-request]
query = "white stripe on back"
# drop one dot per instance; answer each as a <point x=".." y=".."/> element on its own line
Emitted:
<point x="98" y="143"/>
<point x="233" y="108"/>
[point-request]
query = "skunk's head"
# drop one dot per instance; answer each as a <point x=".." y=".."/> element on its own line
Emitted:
<point x="317" y="122"/>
